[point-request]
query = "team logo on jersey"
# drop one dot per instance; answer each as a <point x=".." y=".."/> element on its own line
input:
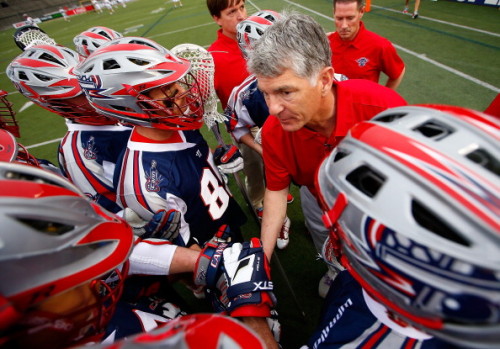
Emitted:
<point x="92" y="86"/>
<point x="89" y="149"/>
<point x="362" y="61"/>
<point x="153" y="178"/>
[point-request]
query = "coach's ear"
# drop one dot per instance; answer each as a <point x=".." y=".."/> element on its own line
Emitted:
<point x="325" y="80"/>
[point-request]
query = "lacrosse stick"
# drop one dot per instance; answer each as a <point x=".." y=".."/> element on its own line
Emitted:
<point x="7" y="115"/>
<point x="202" y="67"/>
<point x="28" y="36"/>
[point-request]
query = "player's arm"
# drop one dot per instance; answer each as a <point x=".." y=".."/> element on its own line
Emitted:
<point x="261" y="327"/>
<point x="273" y="217"/>
<point x="250" y="142"/>
<point x="394" y="83"/>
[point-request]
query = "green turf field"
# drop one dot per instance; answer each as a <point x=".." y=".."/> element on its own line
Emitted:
<point x="452" y="56"/>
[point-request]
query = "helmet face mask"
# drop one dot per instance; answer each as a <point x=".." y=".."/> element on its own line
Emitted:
<point x="410" y="216"/>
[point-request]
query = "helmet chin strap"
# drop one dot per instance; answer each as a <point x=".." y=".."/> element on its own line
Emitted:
<point x="384" y="316"/>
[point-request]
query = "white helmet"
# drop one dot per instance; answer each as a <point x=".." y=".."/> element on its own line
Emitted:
<point x="251" y="29"/>
<point x="91" y="39"/>
<point x="119" y="78"/>
<point x="411" y="198"/>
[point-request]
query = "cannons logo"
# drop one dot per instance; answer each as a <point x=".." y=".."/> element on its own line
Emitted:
<point x="92" y="86"/>
<point x="362" y="61"/>
<point x="153" y="178"/>
<point x="89" y="149"/>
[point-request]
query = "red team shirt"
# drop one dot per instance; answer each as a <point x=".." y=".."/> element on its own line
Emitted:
<point x="365" y="56"/>
<point x="230" y="66"/>
<point x="295" y="156"/>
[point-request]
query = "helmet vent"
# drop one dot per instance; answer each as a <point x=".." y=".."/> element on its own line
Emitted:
<point x="103" y="33"/>
<point x="22" y="76"/>
<point x="46" y="57"/>
<point x="430" y="221"/>
<point x="340" y="155"/>
<point x="484" y="159"/>
<point x="366" y="180"/>
<point x="434" y="130"/>
<point x="389" y="117"/>
<point x="49" y="228"/>
<point x="138" y="61"/>
<point x="84" y="42"/>
<point x="110" y="64"/>
<point x="89" y="69"/>
<point x="43" y="77"/>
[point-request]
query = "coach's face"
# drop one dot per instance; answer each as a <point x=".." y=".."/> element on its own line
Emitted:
<point x="295" y="101"/>
<point x="230" y="17"/>
<point x="347" y="18"/>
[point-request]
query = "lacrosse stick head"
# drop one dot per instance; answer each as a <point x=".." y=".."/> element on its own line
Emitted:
<point x="30" y="35"/>
<point x="7" y="115"/>
<point x="202" y="68"/>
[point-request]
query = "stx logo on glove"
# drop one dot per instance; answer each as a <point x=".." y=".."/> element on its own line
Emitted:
<point x="263" y="286"/>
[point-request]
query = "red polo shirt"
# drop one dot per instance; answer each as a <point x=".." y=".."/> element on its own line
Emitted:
<point x="365" y="56"/>
<point x="230" y="66"/>
<point x="295" y="156"/>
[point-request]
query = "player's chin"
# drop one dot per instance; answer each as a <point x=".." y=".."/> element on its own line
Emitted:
<point x="290" y="125"/>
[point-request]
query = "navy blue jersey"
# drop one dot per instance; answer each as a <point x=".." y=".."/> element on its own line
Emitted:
<point x="246" y="108"/>
<point x="347" y="322"/>
<point x="178" y="175"/>
<point x="87" y="157"/>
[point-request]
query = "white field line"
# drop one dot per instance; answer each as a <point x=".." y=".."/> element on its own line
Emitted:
<point x="422" y="56"/>
<point x="43" y="143"/>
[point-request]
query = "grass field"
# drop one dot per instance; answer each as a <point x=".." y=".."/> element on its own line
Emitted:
<point x="452" y="56"/>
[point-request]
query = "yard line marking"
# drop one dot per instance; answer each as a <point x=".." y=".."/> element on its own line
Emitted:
<point x="43" y="143"/>
<point x="443" y="22"/>
<point x="181" y="30"/>
<point x="418" y="55"/>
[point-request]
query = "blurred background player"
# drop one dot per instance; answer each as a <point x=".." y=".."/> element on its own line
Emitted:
<point x="93" y="142"/>
<point x="167" y="164"/>
<point x="78" y="262"/>
<point x="91" y="39"/>
<point x="230" y="65"/>
<point x="411" y="201"/>
<point x="246" y="112"/>
<point x="359" y="53"/>
<point x="415" y="8"/>
<point x="312" y="113"/>
<point x="177" y="3"/>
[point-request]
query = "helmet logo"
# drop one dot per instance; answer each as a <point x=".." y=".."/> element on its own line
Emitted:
<point x="154" y="178"/>
<point x="92" y="86"/>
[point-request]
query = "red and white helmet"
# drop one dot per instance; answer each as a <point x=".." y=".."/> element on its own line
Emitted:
<point x="93" y="38"/>
<point x="251" y="29"/>
<point x="207" y="331"/>
<point x="7" y="115"/>
<point x="412" y="201"/>
<point x="120" y="80"/>
<point x="62" y="260"/>
<point x="11" y="151"/>
<point x="44" y="74"/>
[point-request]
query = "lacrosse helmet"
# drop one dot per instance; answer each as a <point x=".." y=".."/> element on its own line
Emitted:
<point x="411" y="198"/>
<point x="7" y="115"/>
<point x="142" y="85"/>
<point x="11" y="151"/>
<point x="44" y="74"/>
<point x="251" y="29"/>
<point x="62" y="260"/>
<point x="91" y="39"/>
<point x="208" y="331"/>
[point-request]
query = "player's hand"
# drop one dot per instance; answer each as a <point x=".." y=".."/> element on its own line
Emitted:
<point x="237" y="278"/>
<point x="163" y="225"/>
<point x="228" y="158"/>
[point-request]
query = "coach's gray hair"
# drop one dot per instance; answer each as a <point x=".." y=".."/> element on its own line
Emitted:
<point x="295" y="41"/>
